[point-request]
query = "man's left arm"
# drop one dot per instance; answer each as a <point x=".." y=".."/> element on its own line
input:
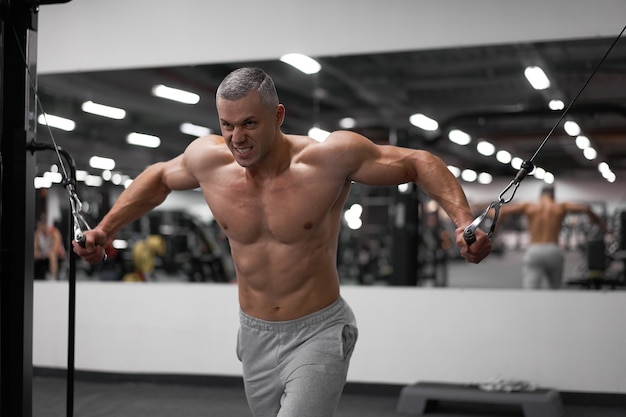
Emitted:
<point x="391" y="165"/>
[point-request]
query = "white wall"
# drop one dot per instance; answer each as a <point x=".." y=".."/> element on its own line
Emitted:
<point x="569" y="340"/>
<point x="88" y="35"/>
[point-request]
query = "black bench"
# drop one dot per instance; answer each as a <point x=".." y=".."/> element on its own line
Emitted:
<point x="536" y="403"/>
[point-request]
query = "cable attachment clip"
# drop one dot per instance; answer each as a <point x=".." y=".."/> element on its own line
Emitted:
<point x="80" y="224"/>
<point x="469" y="234"/>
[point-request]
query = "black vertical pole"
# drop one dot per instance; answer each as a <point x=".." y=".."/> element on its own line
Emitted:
<point x="405" y="228"/>
<point x="18" y="201"/>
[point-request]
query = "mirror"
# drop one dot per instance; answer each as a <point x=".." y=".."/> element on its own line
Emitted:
<point x="477" y="90"/>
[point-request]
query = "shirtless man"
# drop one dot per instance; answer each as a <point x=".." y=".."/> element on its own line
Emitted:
<point x="542" y="265"/>
<point x="279" y="199"/>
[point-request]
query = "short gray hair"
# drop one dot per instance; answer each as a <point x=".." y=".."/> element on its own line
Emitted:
<point x="243" y="81"/>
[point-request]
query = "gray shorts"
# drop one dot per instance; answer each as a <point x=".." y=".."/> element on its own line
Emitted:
<point x="297" y="368"/>
<point x="542" y="266"/>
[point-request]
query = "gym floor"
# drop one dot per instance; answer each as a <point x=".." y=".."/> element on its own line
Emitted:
<point x="94" y="398"/>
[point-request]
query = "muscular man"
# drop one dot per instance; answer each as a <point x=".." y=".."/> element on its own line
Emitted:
<point x="542" y="265"/>
<point x="279" y="199"/>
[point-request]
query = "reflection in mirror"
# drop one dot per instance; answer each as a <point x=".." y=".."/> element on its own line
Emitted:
<point x="479" y="93"/>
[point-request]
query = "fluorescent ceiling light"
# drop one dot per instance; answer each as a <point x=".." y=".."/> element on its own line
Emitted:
<point x="81" y="175"/>
<point x="503" y="157"/>
<point x="539" y="173"/>
<point x="53" y="177"/>
<point x="56" y="121"/>
<point x="318" y="134"/>
<point x="302" y="62"/>
<point x="517" y="162"/>
<point x="41" y="182"/>
<point x="485" y="148"/>
<point x="403" y="188"/>
<point x="175" y="94"/>
<point x="537" y="78"/>
<point x="571" y="128"/>
<point x="347" y="123"/>
<point x="469" y="175"/>
<point x="194" y="130"/>
<point x="485" y="178"/>
<point x="590" y="153"/>
<point x="93" y="181"/>
<point x="102" y="110"/>
<point x="141" y="139"/>
<point x="610" y="177"/>
<point x="603" y="167"/>
<point x="454" y="170"/>
<point x="99" y="162"/>
<point x="459" y="137"/>
<point x="120" y="244"/>
<point x="423" y="122"/>
<point x="582" y="142"/>
<point x="556" y="105"/>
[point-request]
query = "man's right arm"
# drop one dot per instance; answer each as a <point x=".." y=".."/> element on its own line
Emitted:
<point x="146" y="192"/>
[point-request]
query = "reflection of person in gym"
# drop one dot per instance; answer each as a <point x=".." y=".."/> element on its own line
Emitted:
<point x="542" y="266"/>
<point x="279" y="199"/>
<point x="49" y="250"/>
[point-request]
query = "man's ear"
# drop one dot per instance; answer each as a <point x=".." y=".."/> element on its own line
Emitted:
<point x="280" y="114"/>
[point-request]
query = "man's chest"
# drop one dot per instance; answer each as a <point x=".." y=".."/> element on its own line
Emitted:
<point x="283" y="211"/>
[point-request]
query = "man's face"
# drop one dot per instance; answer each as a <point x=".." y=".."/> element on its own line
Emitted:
<point x="248" y="127"/>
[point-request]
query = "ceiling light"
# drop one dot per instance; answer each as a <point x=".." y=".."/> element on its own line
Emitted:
<point x="102" y="110"/>
<point x="556" y="105"/>
<point x="116" y="178"/>
<point x="194" y="130"/>
<point x="503" y="157"/>
<point x="318" y="134"/>
<point x="469" y="175"/>
<point x="41" y="182"/>
<point x="120" y="244"/>
<point x="548" y="178"/>
<point x="603" y="167"/>
<point x="582" y="142"/>
<point x="93" y="181"/>
<point x="53" y="177"/>
<point x="302" y="62"/>
<point x="571" y="128"/>
<point x="539" y="173"/>
<point x="175" y="94"/>
<point x="403" y="188"/>
<point x="454" y="170"/>
<point x="537" y="78"/>
<point x="485" y="178"/>
<point x="141" y="139"/>
<point x="611" y="177"/>
<point x="99" y="162"/>
<point x="517" y="162"/>
<point x="590" y="153"/>
<point x="459" y="137"/>
<point x="485" y="148"/>
<point x="347" y="123"/>
<point x="423" y="122"/>
<point x="56" y="121"/>
<point x="81" y="175"/>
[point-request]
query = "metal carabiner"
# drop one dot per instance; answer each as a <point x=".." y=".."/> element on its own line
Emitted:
<point x="80" y="224"/>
